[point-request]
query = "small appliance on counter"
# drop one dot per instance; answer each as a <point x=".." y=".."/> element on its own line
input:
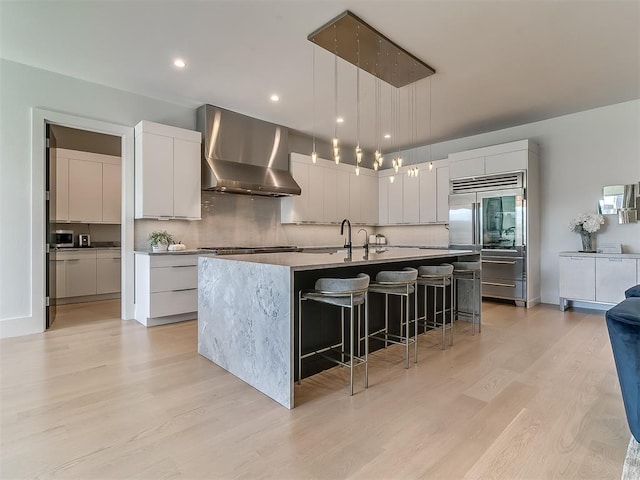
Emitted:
<point x="63" y="239"/>
<point x="84" y="240"/>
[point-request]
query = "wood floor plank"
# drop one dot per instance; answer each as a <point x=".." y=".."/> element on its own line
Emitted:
<point x="535" y="396"/>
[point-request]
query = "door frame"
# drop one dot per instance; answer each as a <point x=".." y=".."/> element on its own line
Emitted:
<point x="39" y="119"/>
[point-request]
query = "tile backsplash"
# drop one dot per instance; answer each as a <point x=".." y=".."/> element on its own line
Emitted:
<point x="239" y="220"/>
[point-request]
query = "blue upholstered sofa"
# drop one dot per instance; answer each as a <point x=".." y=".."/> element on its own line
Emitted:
<point x="623" y="322"/>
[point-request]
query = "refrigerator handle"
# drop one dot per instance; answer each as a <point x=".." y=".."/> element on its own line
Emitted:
<point x="476" y="224"/>
<point x="473" y="223"/>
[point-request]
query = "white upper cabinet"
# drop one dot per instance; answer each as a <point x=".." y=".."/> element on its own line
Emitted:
<point x="383" y="200"/>
<point x="396" y="199"/>
<point x="330" y="193"/>
<point x="428" y="195"/>
<point x="442" y="192"/>
<point x="167" y="165"/>
<point x="410" y="199"/>
<point x="85" y="187"/>
<point x="506" y="157"/>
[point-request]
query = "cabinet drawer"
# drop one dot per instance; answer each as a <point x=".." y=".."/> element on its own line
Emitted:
<point x="613" y="276"/>
<point x="172" y="303"/>
<point x="500" y="288"/>
<point x="172" y="260"/>
<point x="578" y="278"/>
<point x="164" y="279"/>
<point x="503" y="267"/>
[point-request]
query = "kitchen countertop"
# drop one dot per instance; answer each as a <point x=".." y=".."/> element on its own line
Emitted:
<point x="313" y="261"/>
<point x="189" y="251"/>
<point x="83" y="249"/>
<point x="595" y="254"/>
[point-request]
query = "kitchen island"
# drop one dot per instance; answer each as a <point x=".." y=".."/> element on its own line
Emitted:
<point x="247" y="306"/>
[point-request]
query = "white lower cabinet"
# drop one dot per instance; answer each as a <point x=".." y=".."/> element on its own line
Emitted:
<point x="84" y="273"/>
<point x="108" y="272"/>
<point x="613" y="276"/>
<point x="593" y="277"/>
<point x="166" y="288"/>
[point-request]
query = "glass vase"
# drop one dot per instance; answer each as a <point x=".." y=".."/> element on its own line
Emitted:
<point x="587" y="242"/>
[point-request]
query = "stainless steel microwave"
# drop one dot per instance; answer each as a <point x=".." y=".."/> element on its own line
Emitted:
<point x="63" y="238"/>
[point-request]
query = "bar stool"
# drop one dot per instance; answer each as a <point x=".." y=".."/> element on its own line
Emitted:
<point x="403" y="284"/>
<point x="438" y="277"/>
<point x="468" y="272"/>
<point x="344" y="293"/>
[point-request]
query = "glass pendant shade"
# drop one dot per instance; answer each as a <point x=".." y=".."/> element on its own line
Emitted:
<point x="357" y="171"/>
<point x="391" y="178"/>
<point x="337" y="159"/>
<point x="314" y="156"/>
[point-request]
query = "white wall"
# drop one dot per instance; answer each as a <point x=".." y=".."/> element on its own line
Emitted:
<point x="21" y="88"/>
<point x="579" y="154"/>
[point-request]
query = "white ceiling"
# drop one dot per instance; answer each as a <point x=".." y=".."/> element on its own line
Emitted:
<point x="499" y="63"/>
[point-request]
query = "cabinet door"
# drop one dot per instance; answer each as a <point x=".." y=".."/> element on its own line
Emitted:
<point x="396" y="200"/>
<point x="59" y="182"/>
<point x="442" y="195"/>
<point x="108" y="275"/>
<point x="186" y="179"/>
<point x="428" y="195"/>
<point x="156" y="175"/>
<point x="342" y="195"/>
<point x="315" y="212"/>
<point x="383" y="200"/>
<point x="506" y="162"/>
<point x="294" y="208"/>
<point x="57" y="279"/>
<point x="578" y="278"/>
<point x="613" y="277"/>
<point x="467" y="168"/>
<point x="355" y="187"/>
<point x="85" y="191"/>
<point x="369" y="199"/>
<point x="410" y="199"/>
<point x="111" y="193"/>
<point x="329" y="195"/>
<point x="81" y="276"/>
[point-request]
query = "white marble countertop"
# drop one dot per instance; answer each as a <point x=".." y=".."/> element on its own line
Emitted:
<point x="83" y="249"/>
<point x="594" y="254"/>
<point x="189" y="251"/>
<point x="314" y="261"/>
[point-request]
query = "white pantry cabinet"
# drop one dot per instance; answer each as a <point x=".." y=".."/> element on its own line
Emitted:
<point x="596" y="277"/>
<point x="85" y="187"/>
<point x="167" y="172"/>
<point x="166" y="288"/>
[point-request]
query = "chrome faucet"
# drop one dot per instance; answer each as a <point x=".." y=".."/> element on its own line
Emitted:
<point x="365" y="245"/>
<point x="347" y="244"/>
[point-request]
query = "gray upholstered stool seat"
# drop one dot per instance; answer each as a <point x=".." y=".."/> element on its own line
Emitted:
<point x="344" y="293"/>
<point x="401" y="283"/>
<point x="469" y="272"/>
<point x="437" y="277"/>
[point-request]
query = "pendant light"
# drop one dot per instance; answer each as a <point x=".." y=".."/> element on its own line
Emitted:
<point x="314" y="153"/>
<point x="334" y="143"/>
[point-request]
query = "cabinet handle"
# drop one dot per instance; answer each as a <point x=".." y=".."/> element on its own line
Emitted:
<point x="505" y="262"/>
<point x="494" y="284"/>
<point x="184" y="290"/>
<point x="615" y="260"/>
<point x="182" y="266"/>
<point x="73" y="260"/>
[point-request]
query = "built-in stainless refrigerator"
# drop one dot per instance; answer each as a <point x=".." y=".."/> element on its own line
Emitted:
<point x="488" y="214"/>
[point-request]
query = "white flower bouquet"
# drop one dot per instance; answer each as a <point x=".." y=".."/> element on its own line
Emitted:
<point x="587" y="222"/>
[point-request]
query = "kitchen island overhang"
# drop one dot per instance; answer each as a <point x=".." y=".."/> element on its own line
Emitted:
<point x="247" y="306"/>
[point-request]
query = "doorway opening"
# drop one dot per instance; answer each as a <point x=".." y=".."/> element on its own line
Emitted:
<point x="83" y="223"/>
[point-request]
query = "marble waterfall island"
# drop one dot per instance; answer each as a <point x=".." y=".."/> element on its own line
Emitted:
<point x="247" y="306"/>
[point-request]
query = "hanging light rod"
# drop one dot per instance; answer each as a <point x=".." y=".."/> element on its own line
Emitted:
<point x="379" y="56"/>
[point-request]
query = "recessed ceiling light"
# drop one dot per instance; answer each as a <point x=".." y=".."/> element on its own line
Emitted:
<point x="274" y="98"/>
<point x="387" y="135"/>
<point x="340" y="120"/>
<point x="178" y="62"/>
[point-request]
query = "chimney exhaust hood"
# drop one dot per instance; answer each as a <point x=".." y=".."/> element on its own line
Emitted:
<point x="244" y="155"/>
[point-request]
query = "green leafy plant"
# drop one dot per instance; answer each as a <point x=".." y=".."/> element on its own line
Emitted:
<point x="160" y="237"/>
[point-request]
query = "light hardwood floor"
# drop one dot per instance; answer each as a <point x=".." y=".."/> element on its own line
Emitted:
<point x="535" y="396"/>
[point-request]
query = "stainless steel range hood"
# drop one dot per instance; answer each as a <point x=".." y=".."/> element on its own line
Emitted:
<point x="244" y="155"/>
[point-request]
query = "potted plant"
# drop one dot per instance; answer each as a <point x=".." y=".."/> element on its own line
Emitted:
<point x="160" y="240"/>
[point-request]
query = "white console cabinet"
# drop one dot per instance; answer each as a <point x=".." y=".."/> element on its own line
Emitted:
<point x="598" y="278"/>
<point x="166" y="288"/>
